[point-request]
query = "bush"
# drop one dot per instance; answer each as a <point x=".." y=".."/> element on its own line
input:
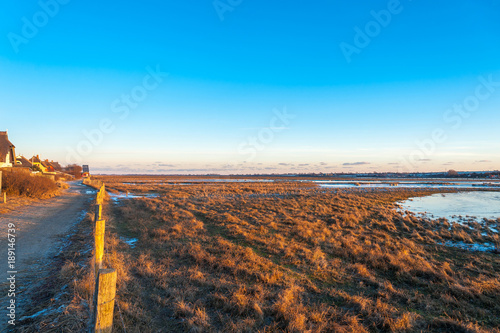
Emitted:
<point x="22" y="183"/>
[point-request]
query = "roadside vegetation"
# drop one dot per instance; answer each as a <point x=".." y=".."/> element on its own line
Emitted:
<point x="21" y="183"/>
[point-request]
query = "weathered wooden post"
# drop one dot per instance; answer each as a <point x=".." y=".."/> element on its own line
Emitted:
<point x="98" y="212"/>
<point x="100" y="195"/>
<point x="104" y="301"/>
<point x="2" y="193"/>
<point x="99" y="243"/>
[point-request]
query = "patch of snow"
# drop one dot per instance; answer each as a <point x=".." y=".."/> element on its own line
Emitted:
<point x="486" y="247"/>
<point x="44" y="312"/>
<point x="39" y="313"/>
<point x="116" y="197"/>
<point x="131" y="242"/>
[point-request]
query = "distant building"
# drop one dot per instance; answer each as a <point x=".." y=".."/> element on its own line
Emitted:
<point x="37" y="164"/>
<point x="56" y="166"/>
<point x="48" y="166"/>
<point x="7" y="151"/>
<point x="85" y="171"/>
<point x="22" y="161"/>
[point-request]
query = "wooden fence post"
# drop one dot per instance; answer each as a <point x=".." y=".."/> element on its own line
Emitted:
<point x="98" y="212"/>
<point x="2" y="193"/>
<point x="104" y="301"/>
<point x="100" y="195"/>
<point x="105" y="286"/>
<point x="99" y="243"/>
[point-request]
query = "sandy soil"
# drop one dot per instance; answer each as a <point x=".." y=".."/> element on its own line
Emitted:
<point x="40" y="230"/>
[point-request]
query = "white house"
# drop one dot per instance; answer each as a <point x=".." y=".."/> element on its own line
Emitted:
<point x="7" y="151"/>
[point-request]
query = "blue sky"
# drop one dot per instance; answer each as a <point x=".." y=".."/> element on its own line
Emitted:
<point x="253" y="86"/>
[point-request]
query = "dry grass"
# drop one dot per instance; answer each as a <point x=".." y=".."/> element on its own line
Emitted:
<point x="21" y="183"/>
<point x="24" y="191"/>
<point x="290" y="257"/>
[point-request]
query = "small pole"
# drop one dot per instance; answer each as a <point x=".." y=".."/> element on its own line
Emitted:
<point x="4" y="195"/>
<point x="99" y="243"/>
<point x="100" y="195"/>
<point x="104" y="301"/>
<point x="98" y="212"/>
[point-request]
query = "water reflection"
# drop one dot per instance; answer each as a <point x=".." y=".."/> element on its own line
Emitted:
<point x="454" y="206"/>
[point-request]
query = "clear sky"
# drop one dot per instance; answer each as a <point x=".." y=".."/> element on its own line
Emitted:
<point x="249" y="86"/>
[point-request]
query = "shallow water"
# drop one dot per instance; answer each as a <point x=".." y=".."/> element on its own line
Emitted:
<point x="428" y="183"/>
<point x="122" y="195"/>
<point x="478" y="204"/>
<point x="409" y="184"/>
<point x="201" y="180"/>
<point x="459" y="208"/>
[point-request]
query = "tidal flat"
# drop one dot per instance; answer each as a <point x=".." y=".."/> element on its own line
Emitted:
<point x="293" y="256"/>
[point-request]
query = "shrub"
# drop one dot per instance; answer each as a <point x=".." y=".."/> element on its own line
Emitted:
<point x="22" y="183"/>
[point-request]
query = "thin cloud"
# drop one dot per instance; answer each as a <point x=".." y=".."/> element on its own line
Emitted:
<point x="357" y="163"/>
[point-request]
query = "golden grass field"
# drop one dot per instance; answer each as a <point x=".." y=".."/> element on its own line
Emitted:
<point x="287" y="257"/>
<point x="291" y="257"/>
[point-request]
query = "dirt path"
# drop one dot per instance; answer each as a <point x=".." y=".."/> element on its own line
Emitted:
<point x="40" y="230"/>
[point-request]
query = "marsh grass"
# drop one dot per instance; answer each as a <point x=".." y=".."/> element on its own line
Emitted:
<point x="292" y="257"/>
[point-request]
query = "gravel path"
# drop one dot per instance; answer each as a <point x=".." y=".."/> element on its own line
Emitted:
<point x="40" y="230"/>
